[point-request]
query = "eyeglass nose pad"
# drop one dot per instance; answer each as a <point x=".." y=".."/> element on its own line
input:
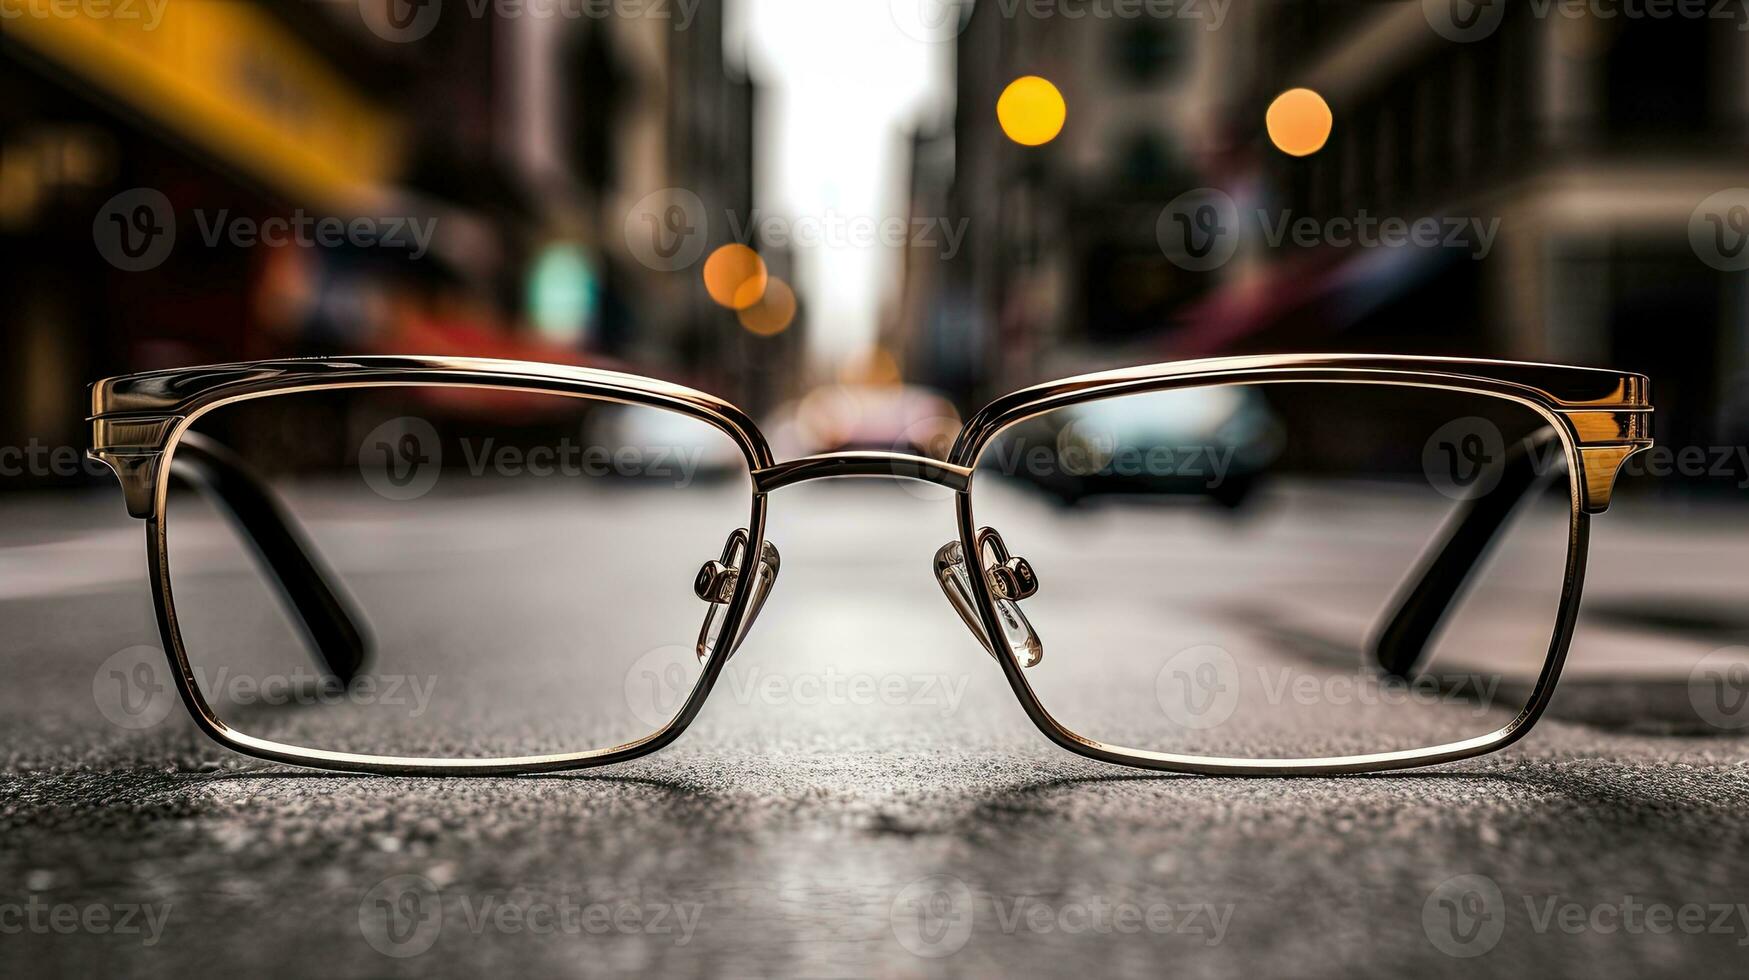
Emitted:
<point x="1010" y="578"/>
<point x="716" y="582"/>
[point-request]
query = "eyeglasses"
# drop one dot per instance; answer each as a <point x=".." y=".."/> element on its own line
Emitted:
<point x="1249" y="565"/>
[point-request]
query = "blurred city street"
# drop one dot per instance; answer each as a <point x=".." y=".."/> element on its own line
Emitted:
<point x="796" y="831"/>
<point x="854" y="226"/>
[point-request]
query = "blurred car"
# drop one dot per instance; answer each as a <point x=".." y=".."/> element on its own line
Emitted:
<point x="1208" y="443"/>
<point x="839" y="417"/>
<point x="651" y="444"/>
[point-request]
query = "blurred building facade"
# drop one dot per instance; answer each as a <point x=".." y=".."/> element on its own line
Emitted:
<point x="519" y="142"/>
<point x="1586" y="142"/>
<point x="1593" y="140"/>
<point x="1060" y="270"/>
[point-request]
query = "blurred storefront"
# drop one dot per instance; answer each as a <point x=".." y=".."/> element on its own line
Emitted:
<point x="165" y="184"/>
<point x="219" y="107"/>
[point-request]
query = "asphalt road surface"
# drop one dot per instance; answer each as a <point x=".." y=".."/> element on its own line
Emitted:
<point x="863" y="796"/>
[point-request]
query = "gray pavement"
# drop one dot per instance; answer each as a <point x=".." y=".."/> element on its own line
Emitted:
<point x="806" y="825"/>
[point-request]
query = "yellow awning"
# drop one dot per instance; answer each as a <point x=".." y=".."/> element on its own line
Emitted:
<point x="228" y="77"/>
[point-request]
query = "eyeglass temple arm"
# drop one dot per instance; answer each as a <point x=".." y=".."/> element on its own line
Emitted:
<point x="1444" y="572"/>
<point x="324" y="611"/>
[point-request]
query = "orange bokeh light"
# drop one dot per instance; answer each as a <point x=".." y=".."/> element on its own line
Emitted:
<point x="773" y="312"/>
<point x="1299" y="122"/>
<point x="1031" y="111"/>
<point x="735" y="276"/>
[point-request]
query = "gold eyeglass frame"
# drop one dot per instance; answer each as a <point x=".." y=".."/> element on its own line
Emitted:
<point x="1601" y="417"/>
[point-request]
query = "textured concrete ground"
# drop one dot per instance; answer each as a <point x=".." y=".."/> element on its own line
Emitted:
<point x="827" y="837"/>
